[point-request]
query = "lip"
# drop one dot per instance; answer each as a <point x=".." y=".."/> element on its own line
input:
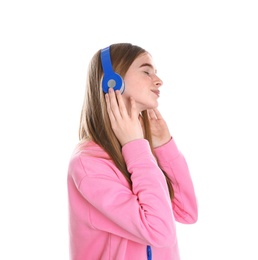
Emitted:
<point x="157" y="92"/>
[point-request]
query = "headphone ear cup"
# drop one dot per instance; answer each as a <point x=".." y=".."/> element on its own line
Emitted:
<point x="113" y="80"/>
<point x="110" y="79"/>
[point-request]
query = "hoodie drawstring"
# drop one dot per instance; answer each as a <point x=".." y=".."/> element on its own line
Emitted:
<point x="149" y="257"/>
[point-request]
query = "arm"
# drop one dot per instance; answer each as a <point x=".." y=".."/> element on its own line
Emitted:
<point x="143" y="213"/>
<point x="173" y="163"/>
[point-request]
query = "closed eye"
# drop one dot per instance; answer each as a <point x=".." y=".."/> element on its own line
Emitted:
<point x="149" y="67"/>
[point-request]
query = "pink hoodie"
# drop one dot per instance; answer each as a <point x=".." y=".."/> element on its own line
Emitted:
<point x="111" y="221"/>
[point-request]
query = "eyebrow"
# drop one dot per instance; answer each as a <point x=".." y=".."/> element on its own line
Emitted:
<point x="148" y="65"/>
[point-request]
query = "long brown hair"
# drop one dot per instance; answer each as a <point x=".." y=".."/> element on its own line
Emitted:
<point x="94" y="123"/>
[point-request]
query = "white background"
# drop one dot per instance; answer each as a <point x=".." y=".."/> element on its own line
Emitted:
<point x="206" y="54"/>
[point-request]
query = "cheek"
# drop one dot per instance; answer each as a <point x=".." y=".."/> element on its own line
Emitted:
<point x="131" y="88"/>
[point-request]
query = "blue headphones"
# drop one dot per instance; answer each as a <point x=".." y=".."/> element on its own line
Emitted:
<point x="110" y="79"/>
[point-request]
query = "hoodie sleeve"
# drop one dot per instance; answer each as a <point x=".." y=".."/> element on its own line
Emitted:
<point x="142" y="213"/>
<point x="173" y="163"/>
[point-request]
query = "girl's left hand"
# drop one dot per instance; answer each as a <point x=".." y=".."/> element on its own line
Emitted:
<point x="159" y="129"/>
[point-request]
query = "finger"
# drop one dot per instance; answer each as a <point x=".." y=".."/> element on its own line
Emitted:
<point x="157" y="113"/>
<point x="133" y="110"/>
<point x="151" y="114"/>
<point x="121" y="104"/>
<point x="109" y="111"/>
<point x="114" y="104"/>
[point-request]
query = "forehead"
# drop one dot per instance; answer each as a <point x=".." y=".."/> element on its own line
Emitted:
<point x="143" y="59"/>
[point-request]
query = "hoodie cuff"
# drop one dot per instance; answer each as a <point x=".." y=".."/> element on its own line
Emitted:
<point x="168" y="151"/>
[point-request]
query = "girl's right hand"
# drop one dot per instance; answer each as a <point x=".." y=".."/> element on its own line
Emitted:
<point x="125" y="124"/>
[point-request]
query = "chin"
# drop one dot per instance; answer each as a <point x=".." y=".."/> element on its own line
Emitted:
<point x="150" y="106"/>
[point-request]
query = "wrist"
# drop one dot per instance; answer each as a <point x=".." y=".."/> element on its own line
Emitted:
<point x="162" y="142"/>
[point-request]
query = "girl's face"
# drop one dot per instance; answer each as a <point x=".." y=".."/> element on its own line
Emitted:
<point x="142" y="83"/>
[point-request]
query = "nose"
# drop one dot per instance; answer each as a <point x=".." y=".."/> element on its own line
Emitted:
<point x="158" y="81"/>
